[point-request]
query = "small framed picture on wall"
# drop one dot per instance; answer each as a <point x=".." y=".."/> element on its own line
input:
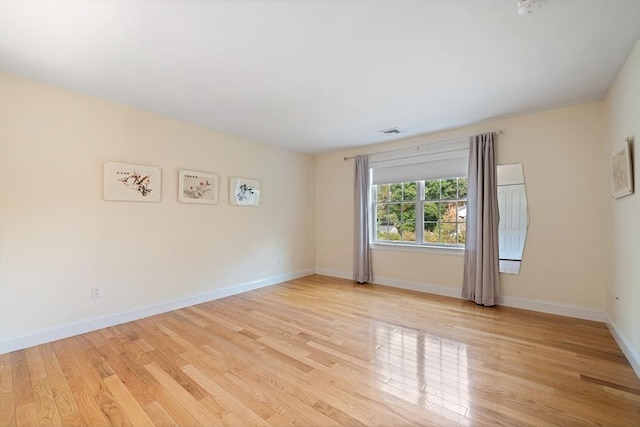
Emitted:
<point x="622" y="171"/>
<point x="244" y="192"/>
<point x="197" y="187"/>
<point x="132" y="183"/>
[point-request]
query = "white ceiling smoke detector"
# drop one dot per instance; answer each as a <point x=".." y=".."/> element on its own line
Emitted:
<point x="526" y="7"/>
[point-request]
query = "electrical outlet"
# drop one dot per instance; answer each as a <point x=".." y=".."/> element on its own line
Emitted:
<point x="96" y="292"/>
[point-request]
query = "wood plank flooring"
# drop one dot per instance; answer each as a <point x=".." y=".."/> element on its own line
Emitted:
<point x="320" y="351"/>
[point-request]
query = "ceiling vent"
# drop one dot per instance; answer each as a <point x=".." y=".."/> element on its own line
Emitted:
<point x="390" y="131"/>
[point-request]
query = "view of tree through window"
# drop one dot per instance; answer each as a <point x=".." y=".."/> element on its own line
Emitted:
<point x="396" y="211"/>
<point x="422" y="212"/>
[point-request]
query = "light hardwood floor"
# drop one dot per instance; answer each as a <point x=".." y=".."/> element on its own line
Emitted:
<point x="321" y="351"/>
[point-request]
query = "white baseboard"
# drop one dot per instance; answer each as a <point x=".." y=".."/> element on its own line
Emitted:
<point x="548" y="307"/>
<point x="394" y="283"/>
<point x="334" y="273"/>
<point x="18" y="342"/>
<point x="632" y="356"/>
<point x="419" y="287"/>
<point x="524" y="303"/>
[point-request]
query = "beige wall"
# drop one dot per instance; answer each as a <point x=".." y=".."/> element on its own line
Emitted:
<point x="58" y="237"/>
<point x="622" y="120"/>
<point x="563" y="265"/>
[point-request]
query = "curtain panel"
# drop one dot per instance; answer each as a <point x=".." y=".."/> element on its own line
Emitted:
<point x="362" y="269"/>
<point x="481" y="260"/>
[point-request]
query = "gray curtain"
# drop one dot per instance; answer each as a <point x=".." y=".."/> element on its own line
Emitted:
<point x="362" y="271"/>
<point x="481" y="263"/>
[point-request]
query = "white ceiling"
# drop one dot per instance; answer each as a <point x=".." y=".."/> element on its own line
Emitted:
<point x="316" y="76"/>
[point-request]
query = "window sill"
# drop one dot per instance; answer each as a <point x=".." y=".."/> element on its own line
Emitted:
<point x="397" y="247"/>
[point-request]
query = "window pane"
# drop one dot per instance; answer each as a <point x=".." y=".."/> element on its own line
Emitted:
<point x="462" y="233"/>
<point x="430" y="226"/>
<point x="432" y="190"/>
<point x="431" y="232"/>
<point x="381" y="212"/>
<point x="382" y="223"/>
<point x="462" y="212"/>
<point x="409" y="213"/>
<point x="451" y="217"/>
<point x="396" y="192"/>
<point x="387" y="232"/>
<point x="408" y="232"/>
<point x="462" y="222"/>
<point x="442" y="208"/>
<point x="382" y="233"/>
<point x="382" y="218"/>
<point x="463" y="185"/>
<point x="449" y="188"/>
<point x="408" y="226"/>
<point x="382" y="193"/>
<point x="448" y="232"/>
<point x="409" y="191"/>
<point x="448" y="212"/>
<point x="431" y="211"/>
<point x="394" y="234"/>
<point x="394" y="213"/>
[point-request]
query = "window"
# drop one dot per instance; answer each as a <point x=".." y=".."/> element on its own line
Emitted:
<point x="445" y="211"/>
<point x="429" y="212"/>
<point x="419" y="195"/>
<point x="396" y="212"/>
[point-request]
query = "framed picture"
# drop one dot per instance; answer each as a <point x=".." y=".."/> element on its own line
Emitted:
<point x="244" y="192"/>
<point x="132" y="183"/>
<point x="197" y="187"/>
<point x="622" y="172"/>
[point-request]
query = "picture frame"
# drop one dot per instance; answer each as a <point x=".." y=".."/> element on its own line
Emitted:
<point x="622" y="172"/>
<point x="244" y="192"/>
<point x="132" y="183"/>
<point x="198" y="187"/>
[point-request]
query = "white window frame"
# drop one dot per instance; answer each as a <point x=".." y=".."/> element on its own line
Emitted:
<point x="438" y="160"/>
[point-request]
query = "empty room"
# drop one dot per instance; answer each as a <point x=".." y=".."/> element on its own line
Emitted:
<point x="321" y="213"/>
